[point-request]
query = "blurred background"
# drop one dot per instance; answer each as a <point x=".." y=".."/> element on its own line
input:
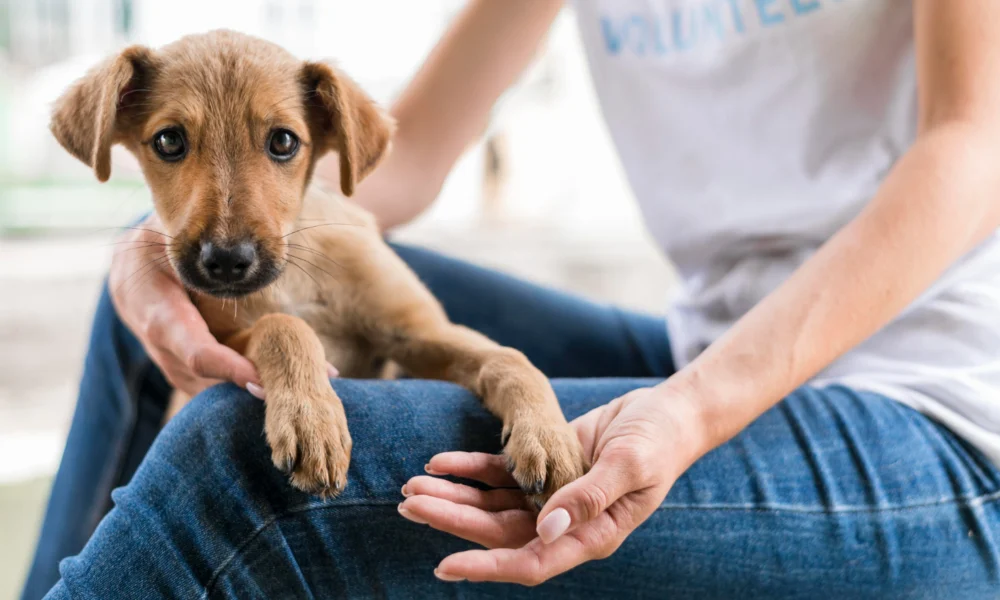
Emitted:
<point x="541" y="195"/>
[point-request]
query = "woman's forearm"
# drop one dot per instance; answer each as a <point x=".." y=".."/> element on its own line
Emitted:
<point x="448" y="102"/>
<point x="936" y="205"/>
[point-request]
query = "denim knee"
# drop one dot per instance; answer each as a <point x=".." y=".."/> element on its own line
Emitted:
<point x="397" y="426"/>
<point x="217" y="441"/>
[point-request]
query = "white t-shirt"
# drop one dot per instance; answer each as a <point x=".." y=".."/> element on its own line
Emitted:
<point x="751" y="131"/>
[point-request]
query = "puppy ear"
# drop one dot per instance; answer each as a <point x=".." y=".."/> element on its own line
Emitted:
<point x="88" y="116"/>
<point x="346" y="120"/>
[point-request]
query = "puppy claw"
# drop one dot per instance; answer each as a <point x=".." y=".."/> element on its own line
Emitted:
<point x="309" y="440"/>
<point x="543" y="457"/>
<point x="504" y="438"/>
<point x="509" y="463"/>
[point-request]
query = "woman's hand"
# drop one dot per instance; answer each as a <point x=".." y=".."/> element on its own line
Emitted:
<point x="638" y="444"/>
<point x="155" y="306"/>
<point x="152" y="302"/>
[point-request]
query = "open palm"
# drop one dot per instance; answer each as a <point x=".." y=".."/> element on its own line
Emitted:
<point x="628" y="442"/>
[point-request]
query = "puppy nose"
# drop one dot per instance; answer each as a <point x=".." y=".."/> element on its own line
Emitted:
<point x="228" y="264"/>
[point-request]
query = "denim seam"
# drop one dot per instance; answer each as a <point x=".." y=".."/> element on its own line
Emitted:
<point x="112" y="475"/>
<point x="965" y="501"/>
<point x="271" y="521"/>
<point x="962" y="501"/>
<point x="133" y="387"/>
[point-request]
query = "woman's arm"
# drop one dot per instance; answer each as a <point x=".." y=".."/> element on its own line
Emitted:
<point x="447" y="104"/>
<point x="939" y="201"/>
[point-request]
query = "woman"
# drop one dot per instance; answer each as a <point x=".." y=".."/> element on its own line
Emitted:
<point x="822" y="419"/>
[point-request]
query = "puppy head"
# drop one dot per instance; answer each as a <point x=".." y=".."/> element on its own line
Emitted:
<point x="227" y="129"/>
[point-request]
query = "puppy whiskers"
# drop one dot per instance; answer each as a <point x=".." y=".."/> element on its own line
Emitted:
<point x="145" y="247"/>
<point x="320" y="225"/>
<point x="150" y="242"/>
<point x="302" y="248"/>
<point x="315" y="266"/>
<point x="288" y="261"/>
<point x="145" y="229"/>
<point x="147" y="270"/>
<point x="155" y="261"/>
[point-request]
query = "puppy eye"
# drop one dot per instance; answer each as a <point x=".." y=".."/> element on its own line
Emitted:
<point x="170" y="145"/>
<point x="282" y="145"/>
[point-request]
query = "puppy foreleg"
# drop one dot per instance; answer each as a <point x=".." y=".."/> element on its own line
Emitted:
<point x="305" y="422"/>
<point x="404" y="323"/>
<point x="542" y="450"/>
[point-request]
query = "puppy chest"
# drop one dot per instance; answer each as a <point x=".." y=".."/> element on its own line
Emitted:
<point x="350" y="352"/>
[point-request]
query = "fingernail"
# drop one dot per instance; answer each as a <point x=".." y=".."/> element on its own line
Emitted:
<point x="430" y="471"/>
<point x="406" y="494"/>
<point x="553" y="525"/>
<point x="256" y="391"/>
<point x="332" y="371"/>
<point x="447" y="577"/>
<point x="410" y="516"/>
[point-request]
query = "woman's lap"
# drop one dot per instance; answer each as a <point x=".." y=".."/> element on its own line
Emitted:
<point x="832" y="490"/>
<point x="890" y="506"/>
<point x="123" y="397"/>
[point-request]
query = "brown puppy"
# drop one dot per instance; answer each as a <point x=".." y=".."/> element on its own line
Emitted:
<point x="228" y="129"/>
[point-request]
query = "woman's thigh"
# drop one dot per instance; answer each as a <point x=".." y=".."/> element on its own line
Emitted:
<point x="831" y="494"/>
<point x="120" y="406"/>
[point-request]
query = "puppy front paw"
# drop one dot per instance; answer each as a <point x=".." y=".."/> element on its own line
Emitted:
<point x="309" y="440"/>
<point x="543" y="454"/>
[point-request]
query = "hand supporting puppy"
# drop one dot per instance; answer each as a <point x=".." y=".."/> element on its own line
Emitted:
<point x="639" y="444"/>
<point x="157" y="309"/>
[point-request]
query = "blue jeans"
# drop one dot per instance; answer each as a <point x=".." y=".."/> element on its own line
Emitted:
<point x="833" y="493"/>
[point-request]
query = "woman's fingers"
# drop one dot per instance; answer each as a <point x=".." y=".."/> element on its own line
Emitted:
<point x="532" y="564"/>
<point x="581" y="501"/>
<point x="176" y="326"/>
<point x="258" y="391"/>
<point x="180" y="377"/>
<point x="505" y="529"/>
<point x="490" y="469"/>
<point x="489" y="500"/>
<point x="208" y="359"/>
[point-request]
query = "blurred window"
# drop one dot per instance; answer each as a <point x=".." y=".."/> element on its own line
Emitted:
<point x="124" y="18"/>
<point x="39" y="31"/>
